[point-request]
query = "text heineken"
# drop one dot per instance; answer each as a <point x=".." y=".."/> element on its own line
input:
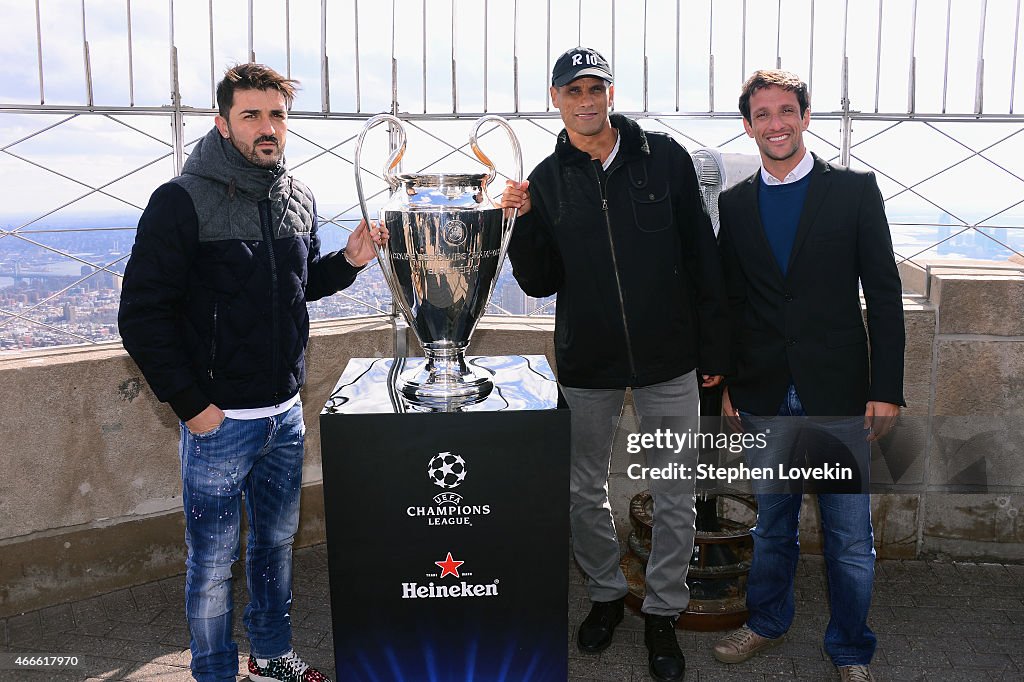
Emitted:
<point x="463" y="589"/>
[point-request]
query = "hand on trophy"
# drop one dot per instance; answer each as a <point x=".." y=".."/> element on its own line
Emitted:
<point x="362" y="243"/>
<point x="516" y="195"/>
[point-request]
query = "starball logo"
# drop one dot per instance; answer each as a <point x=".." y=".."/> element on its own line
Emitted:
<point x="448" y="470"/>
<point x="450" y="567"/>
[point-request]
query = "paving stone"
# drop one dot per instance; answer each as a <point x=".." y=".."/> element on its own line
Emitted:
<point x="105" y="668"/>
<point x="49" y="675"/>
<point x="304" y="637"/>
<point x="173" y="588"/>
<point x="985" y="574"/>
<point x="57" y="618"/>
<point x="89" y="611"/>
<point x="809" y="669"/>
<point x="964" y="603"/>
<point x="1016" y="616"/>
<point x="969" y="659"/>
<point x="138" y="632"/>
<point x="121" y="606"/>
<point x="988" y="616"/>
<point x="912" y="658"/>
<point x="89" y="647"/>
<point x="177" y="635"/>
<point x="624" y="654"/>
<point x="1016" y="572"/>
<point x="797" y="649"/>
<point x="148" y="652"/>
<point x="895" y="598"/>
<point x="149" y="596"/>
<point x="24" y="628"/>
<point x="885" y="673"/>
<point x="727" y="675"/>
<point x="997" y="645"/>
<point x="163" y="673"/>
<point x="1006" y="675"/>
<point x="593" y="670"/>
<point x="916" y="614"/>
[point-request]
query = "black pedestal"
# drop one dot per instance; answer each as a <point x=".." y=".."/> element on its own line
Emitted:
<point x="447" y="531"/>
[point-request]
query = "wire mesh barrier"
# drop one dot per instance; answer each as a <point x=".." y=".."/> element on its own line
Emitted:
<point x="100" y="102"/>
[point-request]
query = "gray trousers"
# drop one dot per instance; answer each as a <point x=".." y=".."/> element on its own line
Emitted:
<point x="672" y="405"/>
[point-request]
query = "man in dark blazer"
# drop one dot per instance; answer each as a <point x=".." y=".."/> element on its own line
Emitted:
<point x="799" y="240"/>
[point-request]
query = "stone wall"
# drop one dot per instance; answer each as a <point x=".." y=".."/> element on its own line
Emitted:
<point x="92" y="496"/>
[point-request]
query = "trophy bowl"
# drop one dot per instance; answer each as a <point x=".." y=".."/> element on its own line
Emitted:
<point x="447" y="241"/>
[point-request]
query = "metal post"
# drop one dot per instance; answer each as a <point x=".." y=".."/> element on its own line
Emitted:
<point x="847" y="122"/>
<point x="325" y="80"/>
<point x="515" y="56"/>
<point x="213" y="75"/>
<point x="131" y="69"/>
<point x="177" y="118"/>
<point x="979" y="84"/>
<point x="1016" y="44"/>
<point x="252" y="51"/>
<point x="645" y="82"/>
<point x="39" y="54"/>
<point x="355" y="46"/>
<point x="912" y="77"/>
<point x="455" y="80"/>
<point x="86" y="61"/>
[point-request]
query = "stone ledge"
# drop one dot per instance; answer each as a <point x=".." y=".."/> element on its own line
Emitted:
<point x="53" y="567"/>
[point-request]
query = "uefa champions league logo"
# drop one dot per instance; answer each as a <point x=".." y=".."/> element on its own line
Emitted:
<point x="454" y="232"/>
<point x="446" y="470"/>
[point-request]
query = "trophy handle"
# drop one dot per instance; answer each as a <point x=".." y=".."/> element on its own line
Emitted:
<point x="491" y="118"/>
<point x="393" y="160"/>
<point x="510" y="218"/>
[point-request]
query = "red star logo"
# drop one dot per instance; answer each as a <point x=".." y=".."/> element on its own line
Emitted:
<point x="450" y="566"/>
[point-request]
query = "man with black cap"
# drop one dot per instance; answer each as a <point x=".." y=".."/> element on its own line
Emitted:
<point x="612" y="222"/>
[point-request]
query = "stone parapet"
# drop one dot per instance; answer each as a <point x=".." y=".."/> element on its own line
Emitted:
<point x="92" y="501"/>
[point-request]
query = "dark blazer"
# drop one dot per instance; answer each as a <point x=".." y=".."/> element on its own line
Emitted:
<point x="806" y="326"/>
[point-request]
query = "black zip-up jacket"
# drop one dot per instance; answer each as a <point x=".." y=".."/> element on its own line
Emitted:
<point x="213" y="304"/>
<point x="632" y="256"/>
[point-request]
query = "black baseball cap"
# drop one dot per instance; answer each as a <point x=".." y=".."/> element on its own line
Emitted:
<point x="577" y="63"/>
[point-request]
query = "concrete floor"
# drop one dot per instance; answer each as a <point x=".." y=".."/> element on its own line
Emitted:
<point x="934" y="621"/>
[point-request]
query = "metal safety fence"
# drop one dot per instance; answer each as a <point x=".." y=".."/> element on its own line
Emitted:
<point x="101" y="101"/>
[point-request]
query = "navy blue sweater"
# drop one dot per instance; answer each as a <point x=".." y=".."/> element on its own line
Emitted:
<point x="781" y="206"/>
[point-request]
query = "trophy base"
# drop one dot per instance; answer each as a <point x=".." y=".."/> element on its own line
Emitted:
<point x="444" y="384"/>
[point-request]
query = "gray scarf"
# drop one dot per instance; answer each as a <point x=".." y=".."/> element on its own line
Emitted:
<point x="225" y="188"/>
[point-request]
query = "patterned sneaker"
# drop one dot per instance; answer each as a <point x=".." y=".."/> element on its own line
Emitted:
<point x="741" y="645"/>
<point x="855" y="673"/>
<point x="287" y="668"/>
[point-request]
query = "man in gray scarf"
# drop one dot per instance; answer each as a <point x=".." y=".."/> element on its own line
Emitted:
<point x="213" y="310"/>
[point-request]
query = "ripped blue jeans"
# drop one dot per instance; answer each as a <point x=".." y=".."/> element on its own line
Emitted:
<point x="262" y="460"/>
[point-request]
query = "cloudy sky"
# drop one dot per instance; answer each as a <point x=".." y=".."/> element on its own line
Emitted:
<point x="505" y="34"/>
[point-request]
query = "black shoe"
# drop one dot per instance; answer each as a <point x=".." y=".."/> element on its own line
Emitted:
<point x="595" y="633"/>
<point x="666" y="659"/>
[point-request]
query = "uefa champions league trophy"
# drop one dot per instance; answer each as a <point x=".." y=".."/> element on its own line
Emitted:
<point x="447" y="243"/>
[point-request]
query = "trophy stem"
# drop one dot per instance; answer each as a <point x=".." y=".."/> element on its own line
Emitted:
<point x="443" y="379"/>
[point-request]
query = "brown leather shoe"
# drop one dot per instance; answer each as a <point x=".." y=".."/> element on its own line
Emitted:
<point x="855" y="673"/>
<point x="741" y="645"/>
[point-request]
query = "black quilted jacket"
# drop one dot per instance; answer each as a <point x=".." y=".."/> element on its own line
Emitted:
<point x="213" y="306"/>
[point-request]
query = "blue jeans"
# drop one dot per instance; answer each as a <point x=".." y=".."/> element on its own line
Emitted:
<point x="261" y="458"/>
<point x="849" y="541"/>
